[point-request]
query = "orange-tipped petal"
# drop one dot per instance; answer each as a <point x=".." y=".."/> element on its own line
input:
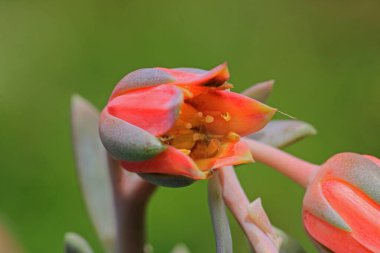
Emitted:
<point x="194" y="77"/>
<point x="171" y="162"/>
<point x="153" y="109"/>
<point x="335" y="239"/>
<point x="232" y="112"/>
<point x="359" y="211"/>
<point x="230" y="154"/>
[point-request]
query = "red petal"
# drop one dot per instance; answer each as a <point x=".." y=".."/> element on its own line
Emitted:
<point x="247" y="115"/>
<point x="171" y="162"/>
<point x="230" y="154"/>
<point x="335" y="239"/>
<point x="152" y="109"/>
<point x="359" y="211"/>
<point x="213" y="78"/>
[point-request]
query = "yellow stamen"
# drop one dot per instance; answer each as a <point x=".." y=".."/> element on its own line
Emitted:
<point x="209" y="119"/>
<point x="196" y="136"/>
<point x="187" y="93"/>
<point x="185" y="151"/>
<point x="188" y="125"/>
<point x="226" y="116"/>
<point x="213" y="148"/>
<point x="225" y="86"/>
<point x="165" y="138"/>
<point x="233" y="137"/>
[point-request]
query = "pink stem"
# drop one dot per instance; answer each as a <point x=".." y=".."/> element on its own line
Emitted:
<point x="296" y="169"/>
<point x="133" y="212"/>
<point x="133" y="194"/>
<point x="236" y="200"/>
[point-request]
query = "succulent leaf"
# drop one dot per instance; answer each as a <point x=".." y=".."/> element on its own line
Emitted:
<point x="281" y="133"/>
<point x="288" y="243"/>
<point x="219" y="217"/>
<point x="74" y="243"/>
<point x="260" y="91"/>
<point x="92" y="163"/>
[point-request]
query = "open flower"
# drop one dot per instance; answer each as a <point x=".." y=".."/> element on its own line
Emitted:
<point x="181" y="122"/>
<point x="342" y="204"/>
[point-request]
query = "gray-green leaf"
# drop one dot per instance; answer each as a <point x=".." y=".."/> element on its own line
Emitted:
<point x="281" y="133"/>
<point x="289" y="244"/>
<point x="219" y="217"/>
<point x="74" y="243"/>
<point x="92" y="167"/>
<point x="260" y="91"/>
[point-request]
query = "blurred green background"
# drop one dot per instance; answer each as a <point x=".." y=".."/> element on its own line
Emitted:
<point x="323" y="54"/>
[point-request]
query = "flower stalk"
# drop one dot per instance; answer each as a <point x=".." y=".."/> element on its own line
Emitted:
<point x="218" y="215"/>
<point x="134" y="195"/>
<point x="237" y="201"/>
<point x="296" y="169"/>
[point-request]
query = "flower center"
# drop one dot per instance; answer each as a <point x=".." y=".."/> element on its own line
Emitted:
<point x="189" y="134"/>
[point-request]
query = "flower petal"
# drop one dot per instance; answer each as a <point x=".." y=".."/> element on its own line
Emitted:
<point x="213" y="78"/>
<point x="171" y="162"/>
<point x="230" y="154"/>
<point x="142" y="78"/>
<point x="335" y="239"/>
<point x="358" y="210"/>
<point x="246" y="114"/>
<point x="125" y="141"/>
<point x="153" y="109"/>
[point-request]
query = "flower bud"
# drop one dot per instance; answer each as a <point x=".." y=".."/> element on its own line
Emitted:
<point x="342" y="204"/>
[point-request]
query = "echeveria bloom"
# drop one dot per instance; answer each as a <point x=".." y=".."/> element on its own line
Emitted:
<point x="179" y="122"/>
<point x="342" y="204"/>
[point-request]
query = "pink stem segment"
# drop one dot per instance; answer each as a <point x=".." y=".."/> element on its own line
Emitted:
<point x="132" y="196"/>
<point x="296" y="169"/>
<point x="236" y="200"/>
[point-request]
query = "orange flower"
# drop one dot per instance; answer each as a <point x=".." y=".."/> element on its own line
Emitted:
<point x="342" y="204"/>
<point x="182" y="122"/>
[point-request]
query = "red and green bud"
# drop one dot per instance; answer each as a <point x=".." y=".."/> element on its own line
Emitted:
<point x="179" y="122"/>
<point x="342" y="204"/>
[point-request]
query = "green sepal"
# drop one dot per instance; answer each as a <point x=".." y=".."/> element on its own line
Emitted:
<point x="127" y="142"/>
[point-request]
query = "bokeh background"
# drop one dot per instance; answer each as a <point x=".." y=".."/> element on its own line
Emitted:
<point x="323" y="54"/>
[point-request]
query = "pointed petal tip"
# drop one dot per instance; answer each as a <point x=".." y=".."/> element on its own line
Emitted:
<point x="260" y="91"/>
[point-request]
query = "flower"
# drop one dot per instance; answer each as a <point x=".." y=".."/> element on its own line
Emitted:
<point x="179" y="122"/>
<point x="342" y="204"/>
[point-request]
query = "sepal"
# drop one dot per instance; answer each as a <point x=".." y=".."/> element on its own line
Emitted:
<point x="125" y="141"/>
<point x="281" y="133"/>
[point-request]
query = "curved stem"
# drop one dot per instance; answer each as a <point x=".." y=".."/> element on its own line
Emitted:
<point x="219" y="217"/>
<point x="296" y="169"/>
<point x="237" y="201"/>
<point x="134" y="194"/>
